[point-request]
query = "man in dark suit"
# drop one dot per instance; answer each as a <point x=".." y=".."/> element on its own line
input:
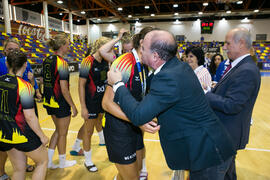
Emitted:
<point x="234" y="96"/>
<point x="191" y="136"/>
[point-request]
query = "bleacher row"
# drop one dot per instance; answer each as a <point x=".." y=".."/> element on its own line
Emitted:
<point x="37" y="50"/>
<point x="262" y="52"/>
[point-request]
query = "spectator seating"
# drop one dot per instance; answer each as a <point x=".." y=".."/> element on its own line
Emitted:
<point x="37" y="50"/>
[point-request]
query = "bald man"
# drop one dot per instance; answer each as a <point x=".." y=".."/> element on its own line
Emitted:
<point x="191" y="136"/>
<point x="234" y="96"/>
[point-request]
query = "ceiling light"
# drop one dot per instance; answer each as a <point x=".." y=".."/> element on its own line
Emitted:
<point x="129" y="16"/>
<point x="146" y="7"/>
<point x="256" y="10"/>
<point x="229" y="12"/>
<point x="175" y="5"/>
<point x="82" y="12"/>
<point x="119" y="9"/>
<point x="239" y="2"/>
<point x="246" y="20"/>
<point x="60" y="2"/>
<point x="177" y="22"/>
<point x="137" y="23"/>
<point x="205" y="4"/>
<point x="60" y="14"/>
<point x="200" y="13"/>
<point x="152" y="15"/>
<point x="176" y="14"/>
<point x="78" y="20"/>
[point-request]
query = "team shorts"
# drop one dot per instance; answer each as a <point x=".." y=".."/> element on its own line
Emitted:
<point x="32" y="144"/>
<point x="94" y="108"/>
<point x="60" y="112"/>
<point x="122" y="140"/>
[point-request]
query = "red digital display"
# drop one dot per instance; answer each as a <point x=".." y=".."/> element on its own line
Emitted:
<point x="207" y="26"/>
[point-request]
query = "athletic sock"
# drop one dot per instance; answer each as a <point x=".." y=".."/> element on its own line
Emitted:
<point x="50" y="155"/>
<point x="88" y="158"/>
<point x="101" y="137"/>
<point x="77" y="145"/>
<point x="144" y="166"/>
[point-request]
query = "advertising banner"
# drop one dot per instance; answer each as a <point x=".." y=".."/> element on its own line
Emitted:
<point x="27" y="16"/>
<point x="37" y="32"/>
<point x="55" y="24"/>
<point x="266" y="66"/>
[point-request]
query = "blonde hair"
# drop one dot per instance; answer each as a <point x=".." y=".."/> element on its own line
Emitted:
<point x="11" y="40"/>
<point x="57" y="41"/>
<point x="127" y="38"/>
<point x="98" y="43"/>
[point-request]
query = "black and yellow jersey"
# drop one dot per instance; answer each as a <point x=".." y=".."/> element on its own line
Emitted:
<point x="55" y="68"/>
<point x="16" y="94"/>
<point x="96" y="75"/>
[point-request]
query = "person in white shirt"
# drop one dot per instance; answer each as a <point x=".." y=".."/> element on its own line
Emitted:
<point x="195" y="58"/>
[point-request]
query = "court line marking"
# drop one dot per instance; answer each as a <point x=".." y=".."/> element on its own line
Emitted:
<point x="256" y="149"/>
<point x="45" y="119"/>
<point x="155" y="140"/>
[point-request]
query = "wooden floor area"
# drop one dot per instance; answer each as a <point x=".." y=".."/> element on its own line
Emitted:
<point x="252" y="163"/>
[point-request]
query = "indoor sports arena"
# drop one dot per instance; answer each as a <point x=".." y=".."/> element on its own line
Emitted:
<point x="135" y="89"/>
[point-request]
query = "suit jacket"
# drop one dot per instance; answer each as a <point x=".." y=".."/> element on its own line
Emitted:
<point x="233" y="99"/>
<point x="191" y="135"/>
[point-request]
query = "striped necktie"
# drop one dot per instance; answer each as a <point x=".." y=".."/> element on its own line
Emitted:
<point x="227" y="69"/>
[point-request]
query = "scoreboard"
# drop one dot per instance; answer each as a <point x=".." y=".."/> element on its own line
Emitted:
<point x="207" y="27"/>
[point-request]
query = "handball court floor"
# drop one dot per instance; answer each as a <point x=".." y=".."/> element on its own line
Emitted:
<point x="253" y="163"/>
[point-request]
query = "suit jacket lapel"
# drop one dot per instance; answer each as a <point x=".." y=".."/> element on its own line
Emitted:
<point x="230" y="72"/>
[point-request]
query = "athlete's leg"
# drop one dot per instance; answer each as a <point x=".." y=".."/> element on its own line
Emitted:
<point x="88" y="132"/>
<point x="139" y="157"/>
<point x="77" y="144"/>
<point x="52" y="144"/>
<point x="18" y="161"/>
<point x="40" y="157"/>
<point x="53" y="140"/>
<point x="98" y="125"/>
<point x="62" y="125"/>
<point x="3" y="159"/>
<point x="127" y="171"/>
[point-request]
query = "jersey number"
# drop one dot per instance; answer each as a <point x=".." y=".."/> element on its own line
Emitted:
<point x="4" y="100"/>
<point x="47" y="72"/>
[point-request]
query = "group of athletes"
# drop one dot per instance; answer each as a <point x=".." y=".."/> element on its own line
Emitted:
<point x="21" y="134"/>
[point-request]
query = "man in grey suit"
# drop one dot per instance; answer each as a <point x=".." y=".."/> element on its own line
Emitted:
<point x="234" y="96"/>
<point x="191" y="135"/>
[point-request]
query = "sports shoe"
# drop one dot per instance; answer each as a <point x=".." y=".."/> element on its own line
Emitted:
<point x="52" y="166"/>
<point x="75" y="153"/>
<point x="143" y="175"/>
<point x="91" y="168"/>
<point x="68" y="164"/>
